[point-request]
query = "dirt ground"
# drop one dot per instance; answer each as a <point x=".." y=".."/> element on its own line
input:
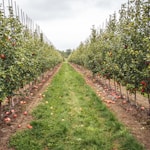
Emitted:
<point x="123" y="111"/>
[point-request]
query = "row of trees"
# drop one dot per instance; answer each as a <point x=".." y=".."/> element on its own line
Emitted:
<point x="121" y="51"/>
<point x="24" y="54"/>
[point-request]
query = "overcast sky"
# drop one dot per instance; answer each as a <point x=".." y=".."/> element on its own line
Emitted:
<point x="68" y="22"/>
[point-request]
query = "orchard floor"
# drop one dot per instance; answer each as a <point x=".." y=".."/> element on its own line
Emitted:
<point x="124" y="113"/>
<point x="141" y="133"/>
<point x="6" y="131"/>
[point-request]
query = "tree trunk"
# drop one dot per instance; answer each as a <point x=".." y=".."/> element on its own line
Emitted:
<point x="0" y="110"/>
<point x="120" y="90"/>
<point x="115" y="85"/>
<point x="127" y="95"/>
<point x="149" y="103"/>
<point x="135" y="96"/>
<point x="109" y="84"/>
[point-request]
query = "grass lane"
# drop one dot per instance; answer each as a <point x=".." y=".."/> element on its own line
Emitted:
<point x="72" y="117"/>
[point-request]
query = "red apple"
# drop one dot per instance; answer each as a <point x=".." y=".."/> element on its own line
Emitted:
<point x="29" y="126"/>
<point x="2" y="56"/>
<point x="124" y="101"/>
<point x="15" y="115"/>
<point x="12" y="110"/>
<point x="21" y="102"/>
<point x="143" y="83"/>
<point x="7" y="120"/>
<point x="19" y="126"/>
<point x="7" y="112"/>
<point x="143" y="90"/>
<point x="25" y="113"/>
<point x="24" y="102"/>
<point x="142" y="108"/>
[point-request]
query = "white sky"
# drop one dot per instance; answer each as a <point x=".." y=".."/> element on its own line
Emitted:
<point x="68" y="22"/>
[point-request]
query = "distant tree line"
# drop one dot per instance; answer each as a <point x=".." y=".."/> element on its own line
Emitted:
<point x="66" y="53"/>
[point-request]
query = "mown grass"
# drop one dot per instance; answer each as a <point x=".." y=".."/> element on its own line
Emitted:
<point x="72" y="117"/>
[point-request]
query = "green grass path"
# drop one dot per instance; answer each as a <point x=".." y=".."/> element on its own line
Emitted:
<point x="72" y="117"/>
